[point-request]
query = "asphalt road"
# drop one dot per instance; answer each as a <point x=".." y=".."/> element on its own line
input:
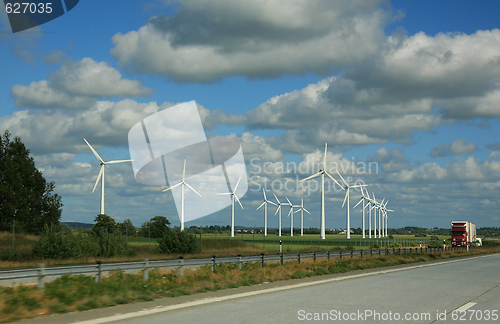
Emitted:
<point x="423" y="293"/>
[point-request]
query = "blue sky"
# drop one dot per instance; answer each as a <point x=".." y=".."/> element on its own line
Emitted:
<point x="410" y="85"/>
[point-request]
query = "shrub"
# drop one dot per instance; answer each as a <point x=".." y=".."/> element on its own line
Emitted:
<point x="177" y="242"/>
<point x="395" y="245"/>
<point x="375" y="246"/>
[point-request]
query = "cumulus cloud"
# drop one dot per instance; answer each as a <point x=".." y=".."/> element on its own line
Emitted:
<point x="495" y="146"/>
<point x="77" y="85"/>
<point x="458" y="146"/>
<point x="255" y="39"/>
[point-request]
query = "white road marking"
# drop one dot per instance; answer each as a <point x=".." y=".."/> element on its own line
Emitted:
<point x="465" y="307"/>
<point x="263" y="291"/>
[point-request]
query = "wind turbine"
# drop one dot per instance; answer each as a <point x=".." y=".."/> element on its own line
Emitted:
<point x="233" y="195"/>
<point x="279" y="210"/>
<point x="265" y="210"/>
<point x="384" y="211"/>
<point x="182" y="184"/>
<point x="290" y="214"/>
<point x="302" y="209"/>
<point x="363" y="198"/>
<point x="322" y="173"/>
<point x="377" y="205"/>
<point x="346" y="198"/>
<point x="101" y="173"/>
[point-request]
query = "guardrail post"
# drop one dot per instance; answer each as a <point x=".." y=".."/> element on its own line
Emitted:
<point x="281" y="258"/>
<point x="328" y="255"/>
<point x="145" y="272"/>
<point x="41" y="275"/>
<point x="98" y="277"/>
<point x="298" y="257"/>
<point x="239" y="262"/>
<point x="314" y="256"/>
<point x="213" y="263"/>
<point x="421" y="248"/>
<point x="352" y="253"/>
<point x="394" y="251"/>
<point x="181" y="266"/>
<point x="378" y="252"/>
<point x="361" y="254"/>
<point x="371" y="253"/>
<point x="386" y="251"/>
<point x="340" y="255"/>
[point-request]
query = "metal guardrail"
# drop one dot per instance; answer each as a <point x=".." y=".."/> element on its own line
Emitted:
<point x="99" y="268"/>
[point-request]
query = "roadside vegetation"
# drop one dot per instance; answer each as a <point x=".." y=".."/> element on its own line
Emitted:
<point x="80" y="293"/>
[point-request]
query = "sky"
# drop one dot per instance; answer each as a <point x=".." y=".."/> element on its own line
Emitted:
<point x="405" y="93"/>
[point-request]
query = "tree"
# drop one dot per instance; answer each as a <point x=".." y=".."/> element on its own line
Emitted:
<point x="104" y="223"/>
<point x="158" y="225"/>
<point x="25" y="195"/>
<point x="126" y="228"/>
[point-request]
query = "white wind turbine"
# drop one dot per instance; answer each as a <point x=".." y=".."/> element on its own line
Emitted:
<point x="346" y="198"/>
<point x="290" y="214"/>
<point x="322" y="173"/>
<point x="279" y="210"/>
<point x="233" y="195"/>
<point x="101" y="173"/>
<point x="265" y="210"/>
<point x="363" y="198"/>
<point x="182" y="184"/>
<point x="302" y="209"/>
<point x="378" y="206"/>
<point x="386" y="218"/>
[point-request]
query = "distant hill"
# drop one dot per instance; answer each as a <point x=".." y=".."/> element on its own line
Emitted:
<point x="77" y="225"/>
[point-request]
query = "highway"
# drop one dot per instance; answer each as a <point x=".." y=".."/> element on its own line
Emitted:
<point x="411" y="293"/>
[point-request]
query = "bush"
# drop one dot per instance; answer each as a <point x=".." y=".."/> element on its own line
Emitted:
<point x="177" y="242"/>
<point x="63" y="243"/>
<point x="434" y="244"/>
<point x="395" y="245"/>
<point x="375" y="246"/>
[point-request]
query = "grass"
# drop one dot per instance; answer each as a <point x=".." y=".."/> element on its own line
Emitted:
<point x="80" y="293"/>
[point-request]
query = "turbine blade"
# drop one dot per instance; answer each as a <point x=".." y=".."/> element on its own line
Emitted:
<point x="328" y="174"/>
<point x="264" y="192"/>
<point x="307" y="211"/>
<point x="184" y="171"/>
<point x="237" y="183"/>
<point x="289" y="212"/>
<point x="288" y="201"/>
<point x="196" y="192"/>
<point x="95" y="153"/>
<point x="345" y="198"/>
<point x="261" y="205"/>
<point x="98" y="178"/>
<point x="271" y="202"/>
<point x="225" y="193"/>
<point x="238" y="200"/>
<point x="279" y="203"/>
<point x="341" y="178"/>
<point x="277" y="209"/>
<point x="173" y="187"/>
<point x="310" y="177"/>
<point x="358" y="203"/>
<point x="117" y="161"/>
<point x="324" y="158"/>
<point x="358" y="186"/>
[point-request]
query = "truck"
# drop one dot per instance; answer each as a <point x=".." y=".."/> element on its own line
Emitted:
<point x="463" y="233"/>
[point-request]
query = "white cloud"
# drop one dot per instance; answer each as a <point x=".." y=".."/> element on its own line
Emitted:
<point x="77" y="85"/>
<point x="255" y="39"/>
<point x="458" y="146"/>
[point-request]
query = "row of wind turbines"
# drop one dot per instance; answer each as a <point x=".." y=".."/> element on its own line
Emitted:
<point x="379" y="206"/>
<point x="372" y="203"/>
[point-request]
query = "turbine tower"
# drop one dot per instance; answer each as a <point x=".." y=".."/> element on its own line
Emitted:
<point x="363" y="198"/>
<point x="265" y="210"/>
<point x="346" y="198"/>
<point x="322" y="173"/>
<point x="101" y="173"/>
<point x="302" y="209"/>
<point x="290" y="214"/>
<point x="279" y="210"/>
<point x="233" y="196"/>
<point x="182" y="184"/>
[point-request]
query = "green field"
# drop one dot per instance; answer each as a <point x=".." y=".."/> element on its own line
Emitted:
<point x="296" y="243"/>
